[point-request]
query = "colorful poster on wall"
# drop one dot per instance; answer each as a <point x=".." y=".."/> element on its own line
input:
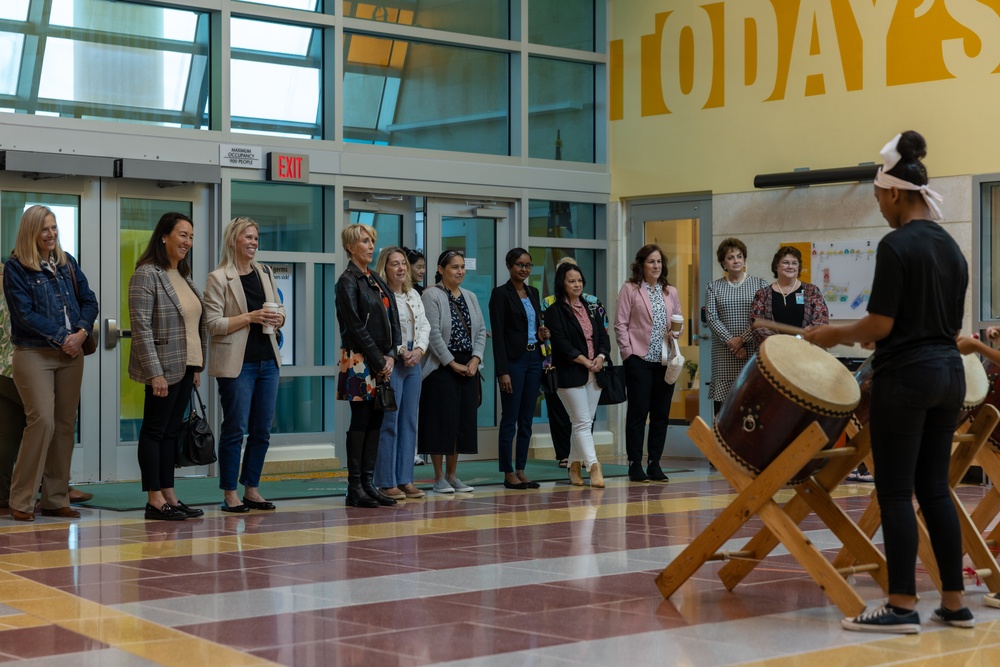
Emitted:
<point x="845" y="271"/>
<point x="284" y="277"/>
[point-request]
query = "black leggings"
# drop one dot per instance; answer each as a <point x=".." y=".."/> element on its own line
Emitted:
<point x="364" y="417"/>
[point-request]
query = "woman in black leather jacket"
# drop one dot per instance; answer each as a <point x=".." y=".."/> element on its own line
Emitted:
<point x="369" y="332"/>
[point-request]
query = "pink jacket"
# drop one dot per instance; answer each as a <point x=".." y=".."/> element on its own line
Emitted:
<point x="634" y="319"/>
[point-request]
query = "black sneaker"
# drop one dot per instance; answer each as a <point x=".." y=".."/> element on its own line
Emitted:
<point x="165" y="513"/>
<point x="636" y="473"/>
<point x="884" y="619"/>
<point x="961" y="618"/>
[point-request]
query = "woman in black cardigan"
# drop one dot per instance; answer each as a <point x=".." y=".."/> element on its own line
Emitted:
<point x="579" y="347"/>
<point x="517" y="337"/>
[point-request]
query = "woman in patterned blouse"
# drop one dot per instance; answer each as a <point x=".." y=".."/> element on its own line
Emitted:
<point x="788" y="300"/>
<point x="727" y="310"/>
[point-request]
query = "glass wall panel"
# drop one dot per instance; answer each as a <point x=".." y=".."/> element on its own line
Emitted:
<point x="487" y="18"/>
<point x="14" y="10"/>
<point x="110" y="60"/>
<point x="66" y="208"/>
<point x="275" y="79"/>
<point x="565" y="23"/>
<point x="11" y="48"/>
<point x="300" y="405"/>
<point x="290" y="217"/>
<point x="565" y="220"/>
<point x="326" y="352"/>
<point x="388" y="228"/>
<point x="560" y="110"/>
<point x="401" y="93"/>
<point x="989" y="229"/>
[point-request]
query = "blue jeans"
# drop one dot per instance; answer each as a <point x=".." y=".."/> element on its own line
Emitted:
<point x="914" y="414"/>
<point x="248" y="403"/>
<point x="398" y="440"/>
<point x="518" y="408"/>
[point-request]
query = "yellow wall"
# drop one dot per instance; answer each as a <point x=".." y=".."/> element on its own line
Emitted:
<point x="705" y="95"/>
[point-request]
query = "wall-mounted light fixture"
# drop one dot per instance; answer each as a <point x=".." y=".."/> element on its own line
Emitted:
<point x="788" y="179"/>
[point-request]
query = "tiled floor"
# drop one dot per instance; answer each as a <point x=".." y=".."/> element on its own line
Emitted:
<point x="558" y="576"/>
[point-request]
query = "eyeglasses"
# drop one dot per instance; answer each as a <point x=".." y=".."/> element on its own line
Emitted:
<point x="528" y="266"/>
<point x="792" y="264"/>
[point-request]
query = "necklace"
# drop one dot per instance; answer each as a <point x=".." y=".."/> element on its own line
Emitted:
<point x="738" y="281"/>
<point x="785" y="294"/>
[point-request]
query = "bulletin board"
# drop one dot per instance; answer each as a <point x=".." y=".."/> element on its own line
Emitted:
<point x="844" y="271"/>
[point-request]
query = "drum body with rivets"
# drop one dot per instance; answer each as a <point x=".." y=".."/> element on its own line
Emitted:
<point x="786" y="386"/>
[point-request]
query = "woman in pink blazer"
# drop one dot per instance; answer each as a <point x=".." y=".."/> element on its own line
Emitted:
<point x="646" y="303"/>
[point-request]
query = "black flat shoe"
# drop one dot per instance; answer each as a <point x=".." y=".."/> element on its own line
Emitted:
<point x="166" y="513"/>
<point x="258" y="504"/>
<point x="189" y="512"/>
<point x="236" y="509"/>
<point x="533" y="485"/>
<point x="520" y="486"/>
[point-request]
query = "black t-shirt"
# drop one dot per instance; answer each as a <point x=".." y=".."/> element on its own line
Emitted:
<point x="258" y="345"/>
<point x="921" y="278"/>
<point x="789" y="308"/>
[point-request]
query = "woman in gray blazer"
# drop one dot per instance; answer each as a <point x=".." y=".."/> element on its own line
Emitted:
<point x="450" y="395"/>
<point x="245" y="361"/>
<point x="169" y="346"/>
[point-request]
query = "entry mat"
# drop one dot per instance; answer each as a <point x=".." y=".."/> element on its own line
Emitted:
<point x="122" y="496"/>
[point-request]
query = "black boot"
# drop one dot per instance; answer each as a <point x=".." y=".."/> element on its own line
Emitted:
<point x="368" y="469"/>
<point x="655" y="472"/>
<point x="356" y="496"/>
<point x="636" y="473"/>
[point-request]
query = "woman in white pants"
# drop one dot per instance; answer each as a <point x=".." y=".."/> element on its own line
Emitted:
<point x="579" y="347"/>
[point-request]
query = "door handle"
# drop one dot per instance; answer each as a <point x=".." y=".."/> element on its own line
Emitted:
<point x="112" y="333"/>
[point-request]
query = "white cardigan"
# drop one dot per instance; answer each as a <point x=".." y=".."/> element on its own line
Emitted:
<point x="421" y="327"/>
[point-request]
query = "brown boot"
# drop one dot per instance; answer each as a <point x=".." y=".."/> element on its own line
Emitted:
<point x="574" y="474"/>
<point x="596" y="476"/>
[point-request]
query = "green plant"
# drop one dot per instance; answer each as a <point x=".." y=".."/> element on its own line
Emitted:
<point x="691" y="366"/>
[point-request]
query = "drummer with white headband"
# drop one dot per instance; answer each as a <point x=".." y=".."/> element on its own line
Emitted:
<point x="914" y="314"/>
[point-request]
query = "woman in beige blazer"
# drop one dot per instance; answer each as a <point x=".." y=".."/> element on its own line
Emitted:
<point x="244" y="360"/>
<point x="168" y="353"/>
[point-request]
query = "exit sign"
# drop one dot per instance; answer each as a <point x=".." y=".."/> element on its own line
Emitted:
<point x="288" y="167"/>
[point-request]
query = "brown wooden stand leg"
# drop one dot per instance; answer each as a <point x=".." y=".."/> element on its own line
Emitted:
<point x="755" y="493"/>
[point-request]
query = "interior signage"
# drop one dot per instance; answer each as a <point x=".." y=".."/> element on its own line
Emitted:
<point x="288" y="167"/>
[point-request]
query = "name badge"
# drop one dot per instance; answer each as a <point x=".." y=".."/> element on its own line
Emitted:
<point x="800" y="299"/>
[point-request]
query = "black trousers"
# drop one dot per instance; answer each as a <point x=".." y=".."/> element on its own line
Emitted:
<point x="649" y="397"/>
<point x="162" y="417"/>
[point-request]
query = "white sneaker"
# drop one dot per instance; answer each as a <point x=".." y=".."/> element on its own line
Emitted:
<point x="442" y="486"/>
<point x="417" y="461"/>
<point x="885" y="620"/>
<point x="460" y="486"/>
<point x="992" y="600"/>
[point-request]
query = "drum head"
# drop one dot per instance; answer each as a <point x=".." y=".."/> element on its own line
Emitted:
<point x="977" y="384"/>
<point x="809" y="373"/>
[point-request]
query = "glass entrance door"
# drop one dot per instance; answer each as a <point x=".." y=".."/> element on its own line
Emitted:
<point x="483" y="234"/>
<point x="683" y="229"/>
<point x="129" y="213"/>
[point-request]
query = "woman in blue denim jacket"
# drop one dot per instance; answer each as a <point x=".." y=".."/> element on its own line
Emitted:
<point x="52" y="311"/>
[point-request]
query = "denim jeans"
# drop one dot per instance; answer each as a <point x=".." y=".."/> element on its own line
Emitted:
<point x="914" y="414"/>
<point x="248" y="403"/>
<point x="518" y="408"/>
<point x="398" y="439"/>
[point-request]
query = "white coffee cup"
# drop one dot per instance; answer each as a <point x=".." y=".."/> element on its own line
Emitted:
<point x="270" y="307"/>
<point x="676" y="323"/>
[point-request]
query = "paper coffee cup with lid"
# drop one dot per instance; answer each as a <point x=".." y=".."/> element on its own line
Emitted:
<point x="270" y="307"/>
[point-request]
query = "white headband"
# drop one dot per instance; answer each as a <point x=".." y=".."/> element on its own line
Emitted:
<point x="891" y="157"/>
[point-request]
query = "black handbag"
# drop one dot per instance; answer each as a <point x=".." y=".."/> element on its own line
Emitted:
<point x="550" y="379"/>
<point x="196" y="443"/>
<point x="611" y="380"/>
<point x="385" y="397"/>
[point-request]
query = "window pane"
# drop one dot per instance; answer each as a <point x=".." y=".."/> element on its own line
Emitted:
<point x="11" y="48"/>
<point x="487" y="18"/>
<point x="990" y="249"/>
<point x="290" y="217"/>
<point x="565" y="23"/>
<point x="308" y="5"/>
<point x="325" y="331"/>
<point x="388" y="228"/>
<point x="565" y="220"/>
<point x="275" y="78"/>
<point x="112" y="60"/>
<point x="400" y="93"/>
<point x="560" y="110"/>
<point x="14" y="10"/>
<point x="300" y="405"/>
<point x="65" y="207"/>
